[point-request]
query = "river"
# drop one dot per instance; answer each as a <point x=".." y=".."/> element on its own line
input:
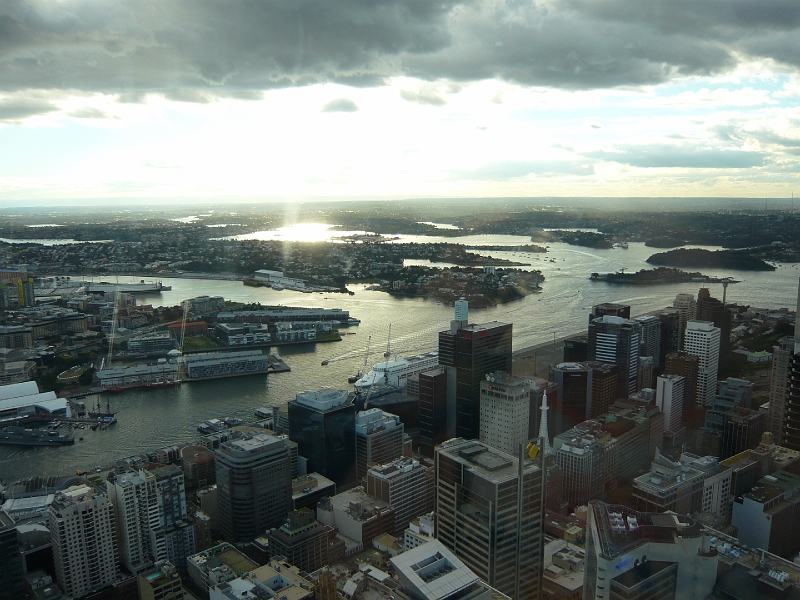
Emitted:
<point x="156" y="418"/>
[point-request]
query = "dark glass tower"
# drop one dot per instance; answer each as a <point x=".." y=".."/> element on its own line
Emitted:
<point x="432" y="410"/>
<point x="470" y="352"/>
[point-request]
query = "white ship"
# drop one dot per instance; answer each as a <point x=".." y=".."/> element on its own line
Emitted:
<point x="396" y="372"/>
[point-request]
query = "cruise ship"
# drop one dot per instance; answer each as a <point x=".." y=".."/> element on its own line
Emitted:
<point x="396" y="372"/>
<point x="105" y="287"/>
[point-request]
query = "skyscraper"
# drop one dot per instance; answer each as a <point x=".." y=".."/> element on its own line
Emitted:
<point x="669" y="399"/>
<point x="650" y="337"/>
<point x="741" y="430"/>
<point x="615" y="340"/>
<point x="702" y="340"/>
<point x="487" y="519"/>
<point x="173" y="538"/>
<point x="610" y="309"/>
<point x="407" y="485"/>
<point x="779" y="385"/>
<point x="321" y="423"/>
<point x="505" y="411"/>
<point x="687" y="311"/>
<point x="254" y="485"/>
<point x="379" y="439"/>
<point x="584" y="390"/>
<point x="671" y="333"/>
<point x="135" y="502"/>
<point x="81" y="524"/>
<point x="687" y="366"/>
<point x="469" y="352"/>
<point x="432" y="409"/>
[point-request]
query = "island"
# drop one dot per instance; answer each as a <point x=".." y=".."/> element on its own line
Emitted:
<point x="741" y="260"/>
<point x="661" y="275"/>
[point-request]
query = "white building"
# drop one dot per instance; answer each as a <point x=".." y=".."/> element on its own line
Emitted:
<point x="505" y="406"/>
<point x="669" y="399"/>
<point x="420" y="531"/>
<point x="702" y="339"/>
<point x="135" y="502"/>
<point x="406" y="485"/>
<point x="81" y="524"/>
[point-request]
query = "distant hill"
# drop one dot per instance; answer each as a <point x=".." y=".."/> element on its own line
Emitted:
<point x="721" y="259"/>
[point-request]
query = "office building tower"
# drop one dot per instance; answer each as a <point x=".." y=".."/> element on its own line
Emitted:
<point x="432" y="572"/>
<point x="408" y="487"/>
<point x="669" y="486"/>
<point x="135" y="502"/>
<point x="487" y="518"/>
<point x="583" y="391"/>
<point x="645" y="377"/>
<point x="791" y="409"/>
<point x="687" y="366"/>
<point x="173" y="539"/>
<point x="589" y="458"/>
<point x="432" y="409"/>
<point x="163" y="582"/>
<point x="81" y="523"/>
<point x="632" y="554"/>
<point x="650" y="337"/>
<point x="615" y="340"/>
<point x="357" y="515"/>
<point x="767" y="517"/>
<point x="687" y="311"/>
<point x="321" y="423"/>
<point x="469" y="352"/>
<point x="671" y="333"/>
<point x="11" y="567"/>
<point x="576" y="349"/>
<point x="669" y="399"/>
<point x="610" y="309"/>
<point x="253" y="486"/>
<point x="505" y="412"/>
<point x="731" y="393"/>
<point x="741" y="430"/>
<point x="27" y="297"/>
<point x="379" y="439"/>
<point x="713" y="310"/>
<point x="779" y="384"/>
<point x="702" y="340"/>
<point x="716" y="483"/>
<point x="302" y="540"/>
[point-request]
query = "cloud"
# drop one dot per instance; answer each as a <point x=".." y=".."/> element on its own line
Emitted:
<point x="340" y="105"/>
<point x="15" y="109"/>
<point x="423" y="97"/>
<point x="88" y="112"/>
<point x="669" y="156"/>
<point x="514" y="169"/>
<point x="198" y="50"/>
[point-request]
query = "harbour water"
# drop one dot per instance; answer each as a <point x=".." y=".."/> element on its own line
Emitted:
<point x="150" y="419"/>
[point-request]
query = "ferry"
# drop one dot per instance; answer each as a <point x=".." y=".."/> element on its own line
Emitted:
<point x="396" y="372"/>
<point x="143" y="287"/>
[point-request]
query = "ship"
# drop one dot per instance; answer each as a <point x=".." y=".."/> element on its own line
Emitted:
<point x="19" y="436"/>
<point x="396" y="372"/>
<point x="143" y="287"/>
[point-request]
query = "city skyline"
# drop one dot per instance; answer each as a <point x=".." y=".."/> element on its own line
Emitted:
<point x="461" y="99"/>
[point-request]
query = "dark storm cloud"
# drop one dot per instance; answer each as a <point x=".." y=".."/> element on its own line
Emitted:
<point x="199" y="50"/>
<point x="13" y="109"/>
<point x="340" y="105"/>
<point x="666" y="156"/>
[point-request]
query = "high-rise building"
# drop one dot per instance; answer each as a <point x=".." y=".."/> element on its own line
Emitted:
<point x="646" y="556"/>
<point x="687" y="311"/>
<point x="432" y="409"/>
<point x="583" y="391"/>
<point x="487" y="518"/>
<point x="588" y="457"/>
<point x="161" y="583"/>
<point x="669" y="398"/>
<point x="650" y="337"/>
<point x="687" y="366"/>
<point x="253" y="485"/>
<point x="505" y="412"/>
<point x="610" y="309"/>
<point x="576" y="348"/>
<point x="173" y="538"/>
<point x="791" y="410"/>
<point x="11" y="568"/>
<point x="702" y="340"/>
<point x="712" y="309"/>
<point x="615" y="340"/>
<point x="408" y="487"/>
<point x="671" y="333"/>
<point x="716" y="483"/>
<point x="779" y="384"/>
<point x="379" y="439"/>
<point x="645" y="376"/>
<point x="302" y="540"/>
<point x="669" y="486"/>
<point x="731" y="393"/>
<point x="81" y="523"/>
<point x="469" y="352"/>
<point x="321" y="423"/>
<point x="741" y="430"/>
<point x="27" y="297"/>
<point x="135" y="502"/>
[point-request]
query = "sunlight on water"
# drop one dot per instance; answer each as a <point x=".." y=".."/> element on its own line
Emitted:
<point x="299" y="232"/>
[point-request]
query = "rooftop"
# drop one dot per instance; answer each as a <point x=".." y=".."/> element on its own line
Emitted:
<point x="489" y="463"/>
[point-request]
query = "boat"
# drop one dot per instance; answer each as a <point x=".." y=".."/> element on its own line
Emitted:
<point x="106" y="287"/>
<point x="19" y="436"/>
<point x="623" y="245"/>
<point x="104" y="418"/>
<point x="396" y="372"/>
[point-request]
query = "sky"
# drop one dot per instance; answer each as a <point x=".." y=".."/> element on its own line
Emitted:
<point x="273" y="100"/>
